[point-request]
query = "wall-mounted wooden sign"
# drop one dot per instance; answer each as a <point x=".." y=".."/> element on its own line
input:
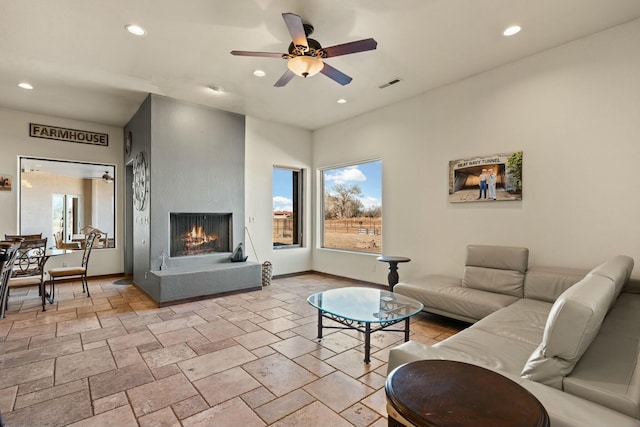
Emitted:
<point x="71" y="135"/>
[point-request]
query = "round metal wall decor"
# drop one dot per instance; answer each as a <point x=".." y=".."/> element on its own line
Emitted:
<point x="140" y="181"/>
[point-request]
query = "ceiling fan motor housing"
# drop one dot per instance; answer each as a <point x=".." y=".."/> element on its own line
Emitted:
<point x="314" y="49"/>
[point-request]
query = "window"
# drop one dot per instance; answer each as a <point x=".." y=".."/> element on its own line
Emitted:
<point x="287" y="207"/>
<point x="63" y="199"/>
<point x="66" y="216"/>
<point x="352" y="208"/>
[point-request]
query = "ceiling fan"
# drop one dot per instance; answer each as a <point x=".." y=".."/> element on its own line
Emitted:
<point x="306" y="55"/>
<point x="105" y="177"/>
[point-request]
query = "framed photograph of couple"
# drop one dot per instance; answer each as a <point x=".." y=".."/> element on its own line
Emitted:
<point x="496" y="177"/>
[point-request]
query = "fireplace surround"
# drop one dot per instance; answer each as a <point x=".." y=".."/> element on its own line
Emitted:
<point x="195" y="162"/>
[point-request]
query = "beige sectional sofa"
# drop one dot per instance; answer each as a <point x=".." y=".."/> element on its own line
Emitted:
<point x="571" y="338"/>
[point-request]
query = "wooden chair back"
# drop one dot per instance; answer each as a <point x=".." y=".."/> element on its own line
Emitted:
<point x="20" y="237"/>
<point x="61" y="245"/>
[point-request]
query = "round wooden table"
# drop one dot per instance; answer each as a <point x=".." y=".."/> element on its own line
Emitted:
<point x="450" y="393"/>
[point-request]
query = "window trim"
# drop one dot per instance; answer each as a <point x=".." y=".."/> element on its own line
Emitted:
<point x="89" y="170"/>
<point x="297" y="203"/>
<point x="321" y="228"/>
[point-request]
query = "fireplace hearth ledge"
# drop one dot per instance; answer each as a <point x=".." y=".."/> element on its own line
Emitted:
<point x="204" y="280"/>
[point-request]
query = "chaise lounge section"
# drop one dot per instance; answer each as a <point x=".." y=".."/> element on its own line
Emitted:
<point x="571" y="339"/>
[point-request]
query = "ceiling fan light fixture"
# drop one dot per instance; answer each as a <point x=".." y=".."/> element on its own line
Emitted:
<point x="107" y="178"/>
<point x="305" y="66"/>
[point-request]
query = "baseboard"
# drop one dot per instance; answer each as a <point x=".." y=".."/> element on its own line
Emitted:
<point x="299" y="273"/>
<point x="332" y="276"/>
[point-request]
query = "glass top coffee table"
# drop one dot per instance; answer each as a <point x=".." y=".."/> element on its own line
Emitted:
<point x="359" y="308"/>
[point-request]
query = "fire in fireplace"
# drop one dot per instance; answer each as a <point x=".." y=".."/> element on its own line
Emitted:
<point x="199" y="233"/>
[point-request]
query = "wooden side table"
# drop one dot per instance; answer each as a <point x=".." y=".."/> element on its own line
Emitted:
<point x="393" y="261"/>
<point x="449" y="393"/>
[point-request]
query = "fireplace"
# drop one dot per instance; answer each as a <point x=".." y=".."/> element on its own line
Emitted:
<point x="199" y="233"/>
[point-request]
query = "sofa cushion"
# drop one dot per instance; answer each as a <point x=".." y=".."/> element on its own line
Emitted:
<point x="449" y="299"/>
<point x="498" y="269"/>
<point x="507" y="282"/>
<point x="547" y="283"/>
<point x="608" y="373"/>
<point x="574" y="320"/>
<point x="567" y="410"/>
<point x="498" y="257"/>
<point x="493" y="351"/>
<point x="524" y="320"/>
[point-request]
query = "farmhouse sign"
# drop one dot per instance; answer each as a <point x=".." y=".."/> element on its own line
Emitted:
<point x="71" y="135"/>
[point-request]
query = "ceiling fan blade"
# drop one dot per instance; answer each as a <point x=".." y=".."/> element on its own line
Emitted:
<point x="265" y="54"/>
<point x="296" y="29"/>
<point x="285" y="78"/>
<point x="352" y="47"/>
<point x="336" y="75"/>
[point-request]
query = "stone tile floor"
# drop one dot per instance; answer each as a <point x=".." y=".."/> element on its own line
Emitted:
<point x="249" y="359"/>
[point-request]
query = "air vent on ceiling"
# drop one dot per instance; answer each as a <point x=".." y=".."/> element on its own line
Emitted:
<point x="392" y="82"/>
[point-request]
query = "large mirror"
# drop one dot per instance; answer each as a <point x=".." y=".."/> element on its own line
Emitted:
<point x="66" y="200"/>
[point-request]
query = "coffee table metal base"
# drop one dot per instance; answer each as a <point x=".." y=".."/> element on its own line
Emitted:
<point x="364" y="327"/>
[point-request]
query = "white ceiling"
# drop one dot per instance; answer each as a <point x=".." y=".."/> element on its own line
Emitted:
<point x="85" y="66"/>
<point x="66" y="168"/>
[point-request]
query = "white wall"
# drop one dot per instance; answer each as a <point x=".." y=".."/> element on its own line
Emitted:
<point x="574" y="111"/>
<point x="268" y="144"/>
<point x="15" y="142"/>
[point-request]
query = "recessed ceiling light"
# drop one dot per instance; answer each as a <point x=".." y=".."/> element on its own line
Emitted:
<point x="136" y="30"/>
<point x="259" y="73"/>
<point x="341" y="101"/>
<point x="25" y="85"/>
<point x="216" y="89"/>
<point x="512" y="30"/>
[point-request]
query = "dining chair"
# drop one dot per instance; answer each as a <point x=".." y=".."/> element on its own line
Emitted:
<point x="62" y="245"/>
<point x="101" y="236"/>
<point x="8" y="255"/>
<point x="29" y="261"/>
<point x="66" y="272"/>
<point x="31" y="258"/>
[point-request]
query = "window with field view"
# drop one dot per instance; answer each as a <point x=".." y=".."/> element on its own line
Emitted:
<point x="287" y="207"/>
<point x="352" y="208"/>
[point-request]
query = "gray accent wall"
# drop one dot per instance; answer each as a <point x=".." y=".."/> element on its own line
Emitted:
<point x="196" y="164"/>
